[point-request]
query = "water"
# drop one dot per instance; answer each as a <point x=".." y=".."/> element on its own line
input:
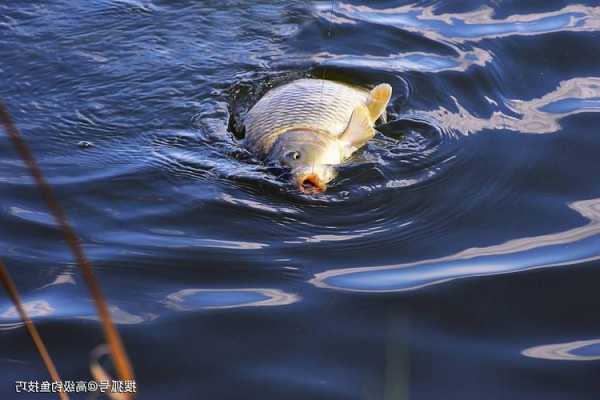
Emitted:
<point x="453" y="258"/>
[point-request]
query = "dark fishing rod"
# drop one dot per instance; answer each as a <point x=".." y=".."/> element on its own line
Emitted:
<point x="115" y="344"/>
<point x="11" y="289"/>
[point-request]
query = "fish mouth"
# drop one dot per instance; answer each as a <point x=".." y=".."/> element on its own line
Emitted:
<point x="310" y="184"/>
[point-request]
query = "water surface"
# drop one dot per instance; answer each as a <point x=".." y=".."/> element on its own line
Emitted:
<point x="454" y="257"/>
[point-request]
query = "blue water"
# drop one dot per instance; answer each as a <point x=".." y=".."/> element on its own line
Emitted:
<point x="454" y="257"/>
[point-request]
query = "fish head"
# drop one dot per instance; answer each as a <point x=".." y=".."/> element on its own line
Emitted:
<point x="310" y="156"/>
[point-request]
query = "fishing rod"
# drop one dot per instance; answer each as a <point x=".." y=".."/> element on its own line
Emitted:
<point x="11" y="289"/>
<point x="116" y="348"/>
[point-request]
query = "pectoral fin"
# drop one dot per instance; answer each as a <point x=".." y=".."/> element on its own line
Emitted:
<point x="378" y="100"/>
<point x="359" y="130"/>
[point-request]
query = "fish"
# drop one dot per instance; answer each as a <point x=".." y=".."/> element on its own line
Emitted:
<point x="311" y="125"/>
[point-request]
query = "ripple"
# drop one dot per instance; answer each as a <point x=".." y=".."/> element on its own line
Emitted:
<point x="195" y="299"/>
<point x="60" y="305"/>
<point x="124" y="317"/>
<point x="581" y="350"/>
<point x="469" y="26"/>
<point x="37" y="217"/>
<point x="162" y="239"/>
<point x="414" y="61"/>
<point x="206" y="156"/>
<point x="537" y="116"/>
<point x="515" y="255"/>
<point x="257" y="205"/>
<point x="36" y="308"/>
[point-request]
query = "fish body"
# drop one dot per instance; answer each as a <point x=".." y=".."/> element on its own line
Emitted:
<point x="309" y="125"/>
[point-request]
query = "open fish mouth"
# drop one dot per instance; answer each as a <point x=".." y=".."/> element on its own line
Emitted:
<point x="310" y="184"/>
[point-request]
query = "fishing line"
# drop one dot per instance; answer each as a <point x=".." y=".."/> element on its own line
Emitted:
<point x="329" y="37"/>
<point x="115" y="344"/>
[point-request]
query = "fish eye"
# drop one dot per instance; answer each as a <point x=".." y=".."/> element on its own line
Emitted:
<point x="293" y="155"/>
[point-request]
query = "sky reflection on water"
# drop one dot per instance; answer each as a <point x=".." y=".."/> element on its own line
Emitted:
<point x="515" y="255"/>
<point x="539" y="115"/>
<point x="195" y="299"/>
<point x="581" y="350"/>
<point x="469" y="26"/>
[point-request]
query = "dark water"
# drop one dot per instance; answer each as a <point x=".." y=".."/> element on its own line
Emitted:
<point x="454" y="258"/>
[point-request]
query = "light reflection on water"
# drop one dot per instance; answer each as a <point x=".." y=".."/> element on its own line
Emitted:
<point x="195" y="299"/>
<point x="36" y="308"/>
<point x="581" y="350"/>
<point x="42" y="309"/>
<point x="539" y="115"/>
<point x="408" y="61"/>
<point x="512" y="256"/>
<point x="191" y="299"/>
<point x="470" y="26"/>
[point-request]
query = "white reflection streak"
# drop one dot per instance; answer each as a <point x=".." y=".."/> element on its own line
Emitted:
<point x="426" y="22"/>
<point x="228" y="244"/>
<point x="412" y="61"/>
<point x="35" y="308"/>
<point x="562" y="351"/>
<point x="8" y="327"/>
<point x="41" y="308"/>
<point x="62" y="279"/>
<point x="340" y="237"/>
<point x="124" y="317"/>
<point x="532" y="118"/>
<point x="589" y="209"/>
<point x="274" y="297"/>
<point x="257" y="205"/>
<point x="38" y="217"/>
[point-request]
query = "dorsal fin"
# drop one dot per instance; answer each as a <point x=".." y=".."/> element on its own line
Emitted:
<point x="379" y="98"/>
<point x="359" y="129"/>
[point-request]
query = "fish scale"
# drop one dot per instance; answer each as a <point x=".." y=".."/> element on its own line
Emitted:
<point x="311" y="104"/>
